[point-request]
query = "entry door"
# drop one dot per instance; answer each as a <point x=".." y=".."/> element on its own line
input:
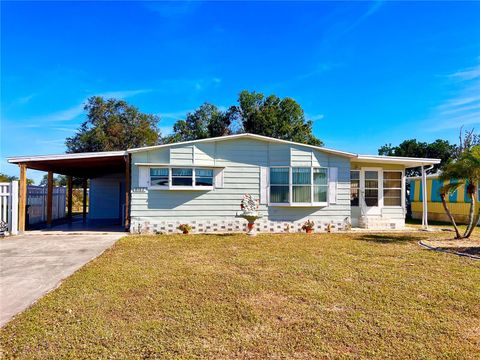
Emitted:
<point x="372" y="190"/>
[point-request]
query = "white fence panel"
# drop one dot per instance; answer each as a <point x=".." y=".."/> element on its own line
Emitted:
<point x="9" y="205"/>
<point x="37" y="203"/>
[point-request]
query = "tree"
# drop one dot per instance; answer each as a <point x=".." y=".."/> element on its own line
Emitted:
<point x="113" y="125"/>
<point x="439" y="149"/>
<point x="10" y="178"/>
<point x="271" y="116"/>
<point x="207" y="121"/>
<point x="466" y="170"/>
<point x="255" y="113"/>
<point x="61" y="180"/>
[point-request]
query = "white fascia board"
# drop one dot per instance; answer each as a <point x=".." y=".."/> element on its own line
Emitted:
<point x="180" y="166"/>
<point x="20" y="159"/>
<point x="406" y="161"/>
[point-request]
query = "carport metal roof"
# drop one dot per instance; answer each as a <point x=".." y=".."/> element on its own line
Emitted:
<point x="87" y="165"/>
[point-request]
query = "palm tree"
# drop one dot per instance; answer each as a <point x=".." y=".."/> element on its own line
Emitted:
<point x="466" y="169"/>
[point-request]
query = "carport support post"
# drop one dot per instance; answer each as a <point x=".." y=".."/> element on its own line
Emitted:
<point x="22" y="198"/>
<point x="424" y="199"/>
<point x="85" y="200"/>
<point x="49" y="198"/>
<point x="127" y="192"/>
<point x="69" y="197"/>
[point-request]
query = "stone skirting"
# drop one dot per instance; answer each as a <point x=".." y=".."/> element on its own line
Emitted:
<point x="140" y="226"/>
<point x="379" y="223"/>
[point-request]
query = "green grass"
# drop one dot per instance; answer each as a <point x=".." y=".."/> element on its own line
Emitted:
<point x="277" y="296"/>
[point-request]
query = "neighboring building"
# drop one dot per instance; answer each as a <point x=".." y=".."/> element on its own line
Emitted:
<point x="202" y="182"/>
<point x="458" y="202"/>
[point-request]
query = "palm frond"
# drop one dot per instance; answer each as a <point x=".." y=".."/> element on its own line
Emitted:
<point x="450" y="188"/>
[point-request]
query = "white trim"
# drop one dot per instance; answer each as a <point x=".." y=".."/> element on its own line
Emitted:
<point x="404" y="193"/>
<point x="290" y="188"/>
<point x="171" y="187"/>
<point x="19" y="159"/>
<point x="332" y="184"/>
<point x="373" y="210"/>
<point x="245" y="135"/>
<point x="178" y="166"/>
<point x="401" y="188"/>
<point x="407" y="161"/>
<point x="13" y="208"/>
<point x="359" y="187"/>
<point x="314" y="204"/>
<point x="182" y="188"/>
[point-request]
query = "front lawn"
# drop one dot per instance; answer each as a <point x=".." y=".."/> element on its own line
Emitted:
<point x="280" y="296"/>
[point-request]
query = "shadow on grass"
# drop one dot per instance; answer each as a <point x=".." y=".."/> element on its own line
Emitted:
<point x="386" y="238"/>
<point x="474" y="250"/>
<point x="220" y="234"/>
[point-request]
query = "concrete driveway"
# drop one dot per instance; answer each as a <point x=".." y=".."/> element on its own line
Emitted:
<point x="32" y="265"/>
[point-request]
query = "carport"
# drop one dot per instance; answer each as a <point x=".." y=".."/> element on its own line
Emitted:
<point x="93" y="165"/>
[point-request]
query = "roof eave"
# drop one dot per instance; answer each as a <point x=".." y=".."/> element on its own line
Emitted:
<point x="21" y="159"/>
<point x="408" y="162"/>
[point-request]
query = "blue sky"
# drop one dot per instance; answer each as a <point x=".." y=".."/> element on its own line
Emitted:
<point x="367" y="73"/>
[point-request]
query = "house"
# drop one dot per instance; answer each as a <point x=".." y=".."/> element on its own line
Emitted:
<point x="202" y="182"/>
<point x="458" y="202"/>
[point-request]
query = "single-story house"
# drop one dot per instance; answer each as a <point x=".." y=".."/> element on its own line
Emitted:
<point x="458" y="202"/>
<point x="201" y="182"/>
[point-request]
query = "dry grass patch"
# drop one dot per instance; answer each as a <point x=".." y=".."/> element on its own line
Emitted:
<point x="277" y="296"/>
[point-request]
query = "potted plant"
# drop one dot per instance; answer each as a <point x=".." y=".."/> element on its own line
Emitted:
<point x="308" y="226"/>
<point x="185" y="228"/>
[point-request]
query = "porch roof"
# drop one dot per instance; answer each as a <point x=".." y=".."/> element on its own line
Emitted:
<point x="87" y="165"/>
<point x="408" y="162"/>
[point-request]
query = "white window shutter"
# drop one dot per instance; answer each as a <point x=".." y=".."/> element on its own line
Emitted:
<point x="332" y="185"/>
<point x="263" y="185"/>
<point x="218" y="178"/>
<point x="143" y="176"/>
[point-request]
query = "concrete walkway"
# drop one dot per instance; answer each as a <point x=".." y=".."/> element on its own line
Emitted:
<point x="32" y="265"/>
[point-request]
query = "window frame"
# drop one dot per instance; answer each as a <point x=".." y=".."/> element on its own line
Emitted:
<point x="289" y="185"/>
<point x="194" y="186"/>
<point x="358" y="189"/>
<point x="290" y="202"/>
<point x="401" y="188"/>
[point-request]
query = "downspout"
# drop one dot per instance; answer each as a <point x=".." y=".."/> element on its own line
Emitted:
<point x="425" y="197"/>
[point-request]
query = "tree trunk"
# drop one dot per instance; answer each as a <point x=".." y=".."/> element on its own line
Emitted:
<point x="475" y="223"/>
<point x="450" y="216"/>
<point x="471" y="215"/>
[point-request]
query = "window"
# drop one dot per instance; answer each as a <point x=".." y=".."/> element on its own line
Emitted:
<point x="279" y="185"/>
<point x="354" y="187"/>
<point x="371" y="188"/>
<point x="181" y="178"/>
<point x="159" y="177"/>
<point x="203" y="177"/>
<point x="320" y="184"/>
<point x="392" y="188"/>
<point x="302" y="189"/>
<point x="298" y="185"/>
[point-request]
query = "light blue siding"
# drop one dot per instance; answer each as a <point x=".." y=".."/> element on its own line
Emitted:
<point x="106" y="197"/>
<point x="182" y="155"/>
<point x="242" y="160"/>
<point x="204" y="153"/>
<point x="436" y="187"/>
<point x="277" y="153"/>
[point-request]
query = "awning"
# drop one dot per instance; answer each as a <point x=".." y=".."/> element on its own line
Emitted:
<point x="407" y="162"/>
<point x="86" y="165"/>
